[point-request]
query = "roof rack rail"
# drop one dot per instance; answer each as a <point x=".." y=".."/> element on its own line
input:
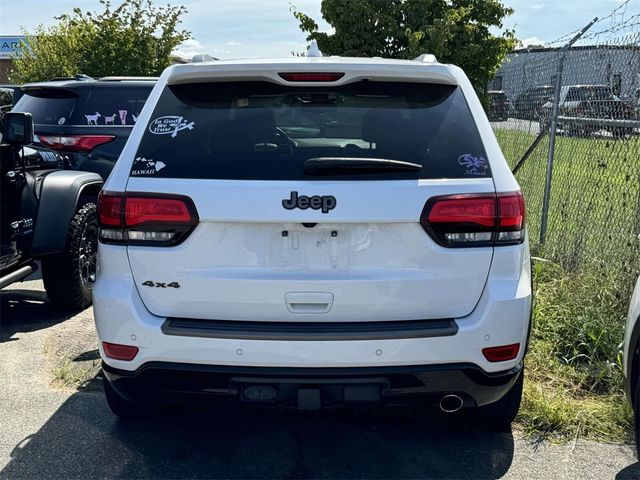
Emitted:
<point x="79" y="77"/>
<point x="202" y="57"/>
<point x="314" y="51"/>
<point x="426" y="58"/>
<point x="114" y="78"/>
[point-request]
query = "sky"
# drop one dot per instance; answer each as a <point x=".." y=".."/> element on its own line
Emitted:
<point x="266" y="28"/>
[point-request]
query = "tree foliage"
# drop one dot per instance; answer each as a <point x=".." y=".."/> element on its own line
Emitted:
<point x="136" y="38"/>
<point x="455" y="31"/>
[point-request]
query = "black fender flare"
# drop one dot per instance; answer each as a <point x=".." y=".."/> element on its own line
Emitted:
<point x="60" y="195"/>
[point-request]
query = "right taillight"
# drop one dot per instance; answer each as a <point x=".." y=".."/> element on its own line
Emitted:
<point x="475" y="220"/>
<point x="145" y="218"/>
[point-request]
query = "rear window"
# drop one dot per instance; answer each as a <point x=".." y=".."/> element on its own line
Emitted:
<point x="94" y="105"/>
<point x="115" y="105"/>
<point x="582" y="94"/>
<point x="266" y="131"/>
<point x="48" y="106"/>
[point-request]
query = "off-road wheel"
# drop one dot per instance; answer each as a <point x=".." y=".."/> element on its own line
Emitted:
<point x="69" y="276"/>
<point x="636" y="417"/>
<point x="498" y="416"/>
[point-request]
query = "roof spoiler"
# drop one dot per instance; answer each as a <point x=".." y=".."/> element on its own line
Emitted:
<point x="127" y="79"/>
<point x="79" y="77"/>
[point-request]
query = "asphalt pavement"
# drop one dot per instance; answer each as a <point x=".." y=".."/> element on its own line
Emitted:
<point x="53" y="429"/>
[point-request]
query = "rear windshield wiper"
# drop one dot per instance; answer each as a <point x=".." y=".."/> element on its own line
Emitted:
<point x="330" y="165"/>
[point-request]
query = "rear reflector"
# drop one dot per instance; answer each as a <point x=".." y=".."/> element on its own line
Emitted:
<point x="475" y="220"/>
<point x="501" y="353"/>
<point x="311" y="77"/>
<point x="74" y="143"/>
<point x="119" y="352"/>
<point x="145" y="218"/>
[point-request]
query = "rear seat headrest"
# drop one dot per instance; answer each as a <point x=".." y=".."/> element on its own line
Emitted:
<point x="381" y="125"/>
<point x="258" y="124"/>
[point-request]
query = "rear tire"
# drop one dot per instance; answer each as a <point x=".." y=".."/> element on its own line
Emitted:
<point x="498" y="416"/>
<point x="636" y="417"/>
<point x="68" y="276"/>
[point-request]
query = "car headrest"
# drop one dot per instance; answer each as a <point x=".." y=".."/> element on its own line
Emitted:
<point x="244" y="128"/>
<point x="258" y="124"/>
<point x="381" y="125"/>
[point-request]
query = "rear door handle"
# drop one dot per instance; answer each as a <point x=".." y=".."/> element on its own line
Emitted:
<point x="309" y="302"/>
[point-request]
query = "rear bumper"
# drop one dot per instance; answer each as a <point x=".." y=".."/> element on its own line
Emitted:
<point x="164" y="381"/>
<point x="501" y="317"/>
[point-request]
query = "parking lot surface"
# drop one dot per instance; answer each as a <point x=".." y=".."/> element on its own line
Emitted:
<point x="55" y="423"/>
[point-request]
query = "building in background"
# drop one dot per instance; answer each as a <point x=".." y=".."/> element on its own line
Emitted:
<point x="615" y="65"/>
<point x="8" y="49"/>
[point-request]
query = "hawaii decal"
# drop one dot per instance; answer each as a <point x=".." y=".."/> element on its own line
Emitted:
<point x="146" y="166"/>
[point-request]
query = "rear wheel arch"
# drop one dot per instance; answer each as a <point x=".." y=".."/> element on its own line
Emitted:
<point x="63" y="194"/>
<point x="89" y="194"/>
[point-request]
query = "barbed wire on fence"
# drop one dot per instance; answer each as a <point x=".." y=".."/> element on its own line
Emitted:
<point x="594" y="207"/>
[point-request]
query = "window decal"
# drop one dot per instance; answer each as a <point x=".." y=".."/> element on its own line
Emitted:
<point x="146" y="166"/>
<point x="170" y="124"/>
<point x="476" y="166"/>
<point x="93" y="119"/>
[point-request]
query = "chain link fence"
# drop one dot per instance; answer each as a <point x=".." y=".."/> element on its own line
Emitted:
<point x="567" y="116"/>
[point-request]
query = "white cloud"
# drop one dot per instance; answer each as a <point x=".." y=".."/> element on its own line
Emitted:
<point x="189" y="48"/>
<point x="537" y="6"/>
<point x="233" y="43"/>
<point x="531" y="41"/>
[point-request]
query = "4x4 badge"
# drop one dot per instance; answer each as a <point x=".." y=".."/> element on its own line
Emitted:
<point x="150" y="283"/>
<point x="316" y="202"/>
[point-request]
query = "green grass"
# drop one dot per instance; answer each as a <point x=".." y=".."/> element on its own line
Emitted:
<point x="595" y="199"/>
<point x="75" y="374"/>
<point x="574" y="372"/>
<point x="574" y="377"/>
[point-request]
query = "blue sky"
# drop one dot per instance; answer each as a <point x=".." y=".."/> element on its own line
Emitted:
<point x="261" y="28"/>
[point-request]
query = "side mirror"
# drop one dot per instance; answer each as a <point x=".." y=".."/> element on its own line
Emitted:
<point x="18" y="128"/>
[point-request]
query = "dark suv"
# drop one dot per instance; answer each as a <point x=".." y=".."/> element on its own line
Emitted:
<point x="86" y="120"/>
<point x="46" y="214"/>
<point x="528" y="104"/>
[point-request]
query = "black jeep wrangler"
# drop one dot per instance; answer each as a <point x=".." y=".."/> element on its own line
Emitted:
<point x="47" y="214"/>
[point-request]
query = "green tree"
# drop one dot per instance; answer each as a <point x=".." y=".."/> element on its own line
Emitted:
<point x="136" y="38"/>
<point x="455" y="31"/>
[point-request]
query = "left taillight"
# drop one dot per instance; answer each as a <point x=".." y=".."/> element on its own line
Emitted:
<point x="74" y="143"/>
<point x="145" y="218"/>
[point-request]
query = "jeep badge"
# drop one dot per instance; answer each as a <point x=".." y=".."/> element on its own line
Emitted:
<point x="316" y="202"/>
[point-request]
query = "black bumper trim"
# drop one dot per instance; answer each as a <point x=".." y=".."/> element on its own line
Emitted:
<point x="309" y="331"/>
<point x="398" y="384"/>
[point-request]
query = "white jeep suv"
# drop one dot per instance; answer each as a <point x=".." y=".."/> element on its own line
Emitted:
<point x="313" y="232"/>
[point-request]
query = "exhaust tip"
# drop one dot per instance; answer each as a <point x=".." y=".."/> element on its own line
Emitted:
<point x="451" y="403"/>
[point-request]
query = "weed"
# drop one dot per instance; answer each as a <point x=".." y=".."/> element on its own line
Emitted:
<point x="574" y="379"/>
